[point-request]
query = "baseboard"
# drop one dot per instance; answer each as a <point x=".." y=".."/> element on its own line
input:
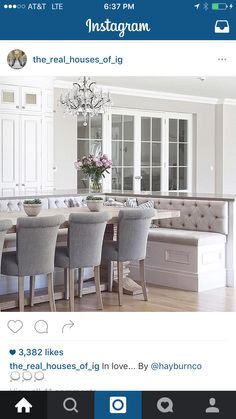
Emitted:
<point x="180" y="280"/>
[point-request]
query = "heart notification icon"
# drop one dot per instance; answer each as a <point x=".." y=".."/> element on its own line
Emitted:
<point x="165" y="405"/>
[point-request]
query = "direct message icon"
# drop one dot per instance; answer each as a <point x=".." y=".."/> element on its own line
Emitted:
<point x="165" y="405"/>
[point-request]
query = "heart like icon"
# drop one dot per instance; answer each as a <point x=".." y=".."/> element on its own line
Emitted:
<point x="15" y="325"/>
<point x="12" y="351"/>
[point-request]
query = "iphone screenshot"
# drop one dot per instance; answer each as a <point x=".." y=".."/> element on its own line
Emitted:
<point x="118" y="209"/>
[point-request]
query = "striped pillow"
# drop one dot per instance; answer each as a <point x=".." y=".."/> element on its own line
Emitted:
<point x="148" y="204"/>
<point x="131" y="203"/>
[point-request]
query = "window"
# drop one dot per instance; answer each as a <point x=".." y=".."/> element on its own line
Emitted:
<point x="122" y="152"/>
<point x="89" y="141"/>
<point x="151" y="151"/>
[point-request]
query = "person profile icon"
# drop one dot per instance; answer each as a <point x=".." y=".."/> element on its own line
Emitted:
<point x="16" y="59"/>
<point x="212" y="408"/>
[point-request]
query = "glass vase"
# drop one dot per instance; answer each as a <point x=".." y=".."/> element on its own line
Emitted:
<point x="95" y="185"/>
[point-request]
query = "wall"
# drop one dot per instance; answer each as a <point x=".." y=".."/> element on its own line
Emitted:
<point x="65" y="147"/>
<point x="229" y="149"/>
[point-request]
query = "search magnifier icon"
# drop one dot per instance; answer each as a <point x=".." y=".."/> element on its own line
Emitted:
<point x="70" y="405"/>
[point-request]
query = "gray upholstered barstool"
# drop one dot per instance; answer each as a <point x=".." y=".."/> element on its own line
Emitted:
<point x="34" y="255"/>
<point x="131" y="244"/>
<point x="85" y="238"/>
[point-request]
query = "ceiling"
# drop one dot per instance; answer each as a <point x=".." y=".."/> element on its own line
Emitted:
<point x="214" y="87"/>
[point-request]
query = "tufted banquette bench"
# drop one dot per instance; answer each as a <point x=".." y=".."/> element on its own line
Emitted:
<point x="187" y="252"/>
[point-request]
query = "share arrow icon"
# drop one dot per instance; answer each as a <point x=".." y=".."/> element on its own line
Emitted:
<point x="197" y="6"/>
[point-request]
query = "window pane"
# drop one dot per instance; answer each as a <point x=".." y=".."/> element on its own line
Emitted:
<point x="117" y="153"/>
<point x="145" y="154"/>
<point x="95" y="147"/>
<point x="145" y="129"/>
<point x="31" y="99"/>
<point x="173" y="178"/>
<point x="8" y="97"/>
<point x="96" y="126"/>
<point x="128" y="179"/>
<point x="128" y="154"/>
<point x="145" y="181"/>
<point x="82" y="148"/>
<point x="156" y="154"/>
<point x="173" y="130"/>
<point x="116" y="178"/>
<point x="156" y="179"/>
<point x="82" y="131"/>
<point x="173" y="155"/>
<point x="156" y="129"/>
<point x="128" y="127"/>
<point x="183" y="178"/>
<point x="183" y="154"/>
<point x="183" y="130"/>
<point x="116" y="127"/>
<point x="82" y="181"/>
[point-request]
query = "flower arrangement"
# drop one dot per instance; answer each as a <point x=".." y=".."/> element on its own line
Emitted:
<point x="95" y="167"/>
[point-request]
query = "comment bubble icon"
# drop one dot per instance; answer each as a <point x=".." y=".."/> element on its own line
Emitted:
<point x="41" y="326"/>
<point x="15" y="376"/>
<point x="27" y="376"/>
<point x="38" y="376"/>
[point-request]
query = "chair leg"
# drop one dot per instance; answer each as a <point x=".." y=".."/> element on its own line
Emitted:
<point x="21" y="291"/>
<point x="72" y="290"/>
<point x="97" y="285"/>
<point x="120" y="282"/>
<point x="51" y="291"/>
<point x="32" y="289"/>
<point x="110" y="273"/>
<point x="66" y="283"/>
<point x="80" y="282"/>
<point x="142" y="279"/>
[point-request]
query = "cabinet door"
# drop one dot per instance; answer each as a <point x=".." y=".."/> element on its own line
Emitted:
<point x="9" y="97"/>
<point x="47" y="153"/>
<point x="31" y="99"/>
<point x="9" y="151"/>
<point x="31" y="152"/>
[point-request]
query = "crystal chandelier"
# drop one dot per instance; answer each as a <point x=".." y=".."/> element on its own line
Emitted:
<point x="85" y="98"/>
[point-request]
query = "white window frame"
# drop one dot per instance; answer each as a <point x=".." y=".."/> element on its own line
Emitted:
<point x="137" y="114"/>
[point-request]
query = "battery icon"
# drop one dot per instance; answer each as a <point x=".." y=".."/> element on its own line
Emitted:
<point x="219" y="6"/>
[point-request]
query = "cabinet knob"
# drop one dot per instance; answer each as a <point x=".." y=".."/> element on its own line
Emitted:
<point x="17" y="184"/>
<point x="17" y="107"/>
<point x="23" y="107"/>
<point x="22" y="184"/>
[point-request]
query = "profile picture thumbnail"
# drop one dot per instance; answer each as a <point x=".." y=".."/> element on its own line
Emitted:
<point x="17" y="59"/>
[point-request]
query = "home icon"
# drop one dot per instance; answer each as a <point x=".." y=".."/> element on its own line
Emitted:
<point x="23" y="406"/>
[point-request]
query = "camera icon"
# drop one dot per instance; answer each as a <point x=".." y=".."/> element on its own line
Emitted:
<point x="118" y="405"/>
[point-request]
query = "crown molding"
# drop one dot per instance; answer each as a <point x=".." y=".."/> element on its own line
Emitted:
<point x="125" y="91"/>
<point x="226" y="101"/>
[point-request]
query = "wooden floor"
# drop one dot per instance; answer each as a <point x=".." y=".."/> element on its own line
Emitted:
<point x="160" y="299"/>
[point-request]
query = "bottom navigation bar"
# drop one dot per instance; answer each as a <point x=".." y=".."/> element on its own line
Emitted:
<point x="128" y="404"/>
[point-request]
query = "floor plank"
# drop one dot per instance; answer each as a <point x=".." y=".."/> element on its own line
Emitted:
<point x="160" y="299"/>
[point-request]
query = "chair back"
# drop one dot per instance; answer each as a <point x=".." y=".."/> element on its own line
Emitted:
<point x="4" y="226"/>
<point x="85" y="238"/>
<point x="36" y="243"/>
<point x="133" y="227"/>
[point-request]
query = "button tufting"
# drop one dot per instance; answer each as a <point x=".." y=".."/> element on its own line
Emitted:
<point x="195" y="204"/>
<point x="209" y="227"/>
<point x="189" y="215"/>
<point x="183" y="225"/>
<point x="182" y="204"/>
<point x="196" y="226"/>
<point x="170" y="203"/>
<point x="209" y="205"/>
<point x="171" y="224"/>
<point x="202" y="216"/>
<point x="216" y="217"/>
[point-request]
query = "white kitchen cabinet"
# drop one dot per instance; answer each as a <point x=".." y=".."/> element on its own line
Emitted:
<point x="31" y="152"/>
<point x="26" y="137"/>
<point x="9" y="97"/>
<point x="47" y="153"/>
<point x="9" y="151"/>
<point x="20" y="98"/>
